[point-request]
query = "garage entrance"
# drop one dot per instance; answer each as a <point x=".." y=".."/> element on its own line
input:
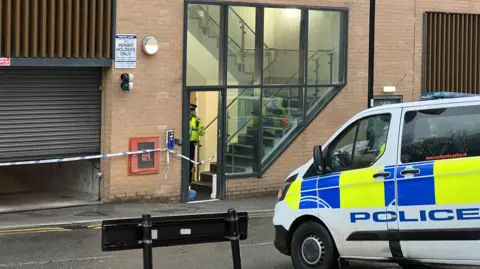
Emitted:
<point x="48" y="113"/>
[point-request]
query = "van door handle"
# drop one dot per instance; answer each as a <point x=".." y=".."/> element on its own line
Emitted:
<point x="413" y="171"/>
<point x="381" y="174"/>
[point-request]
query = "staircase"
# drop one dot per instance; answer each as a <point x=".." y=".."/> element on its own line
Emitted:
<point x="279" y="124"/>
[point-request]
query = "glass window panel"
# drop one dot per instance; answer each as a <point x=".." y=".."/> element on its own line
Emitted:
<point x="241" y="45"/>
<point x="282" y="38"/>
<point x="242" y="131"/>
<point x="203" y="53"/>
<point x="316" y="98"/>
<point x="282" y="112"/>
<point x="325" y="47"/>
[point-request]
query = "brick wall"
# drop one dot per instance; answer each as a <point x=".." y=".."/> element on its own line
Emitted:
<point x="155" y="103"/>
<point x="153" y="106"/>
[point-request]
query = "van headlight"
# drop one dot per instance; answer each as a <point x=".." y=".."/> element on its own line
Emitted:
<point x="282" y="192"/>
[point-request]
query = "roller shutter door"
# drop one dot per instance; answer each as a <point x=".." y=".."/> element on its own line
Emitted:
<point x="49" y="113"/>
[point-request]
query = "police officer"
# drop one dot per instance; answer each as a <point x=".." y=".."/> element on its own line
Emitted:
<point x="196" y="131"/>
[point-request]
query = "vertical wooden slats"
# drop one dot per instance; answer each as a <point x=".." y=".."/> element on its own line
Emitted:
<point x="108" y="27"/>
<point x="8" y="28"/>
<point x="17" y="29"/>
<point x="99" y="41"/>
<point x="475" y="36"/>
<point x="91" y="36"/>
<point x="1" y="27"/>
<point x="84" y="27"/>
<point x="68" y="29"/>
<point x="25" y="29"/>
<point x="60" y="24"/>
<point x="452" y="53"/>
<point x="43" y="28"/>
<point x="56" y="28"/>
<point x="51" y="26"/>
<point x="34" y="27"/>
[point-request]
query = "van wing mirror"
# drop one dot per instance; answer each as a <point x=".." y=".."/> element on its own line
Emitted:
<point x="318" y="159"/>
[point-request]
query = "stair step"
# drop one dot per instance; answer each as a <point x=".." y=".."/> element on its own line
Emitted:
<point x="247" y="139"/>
<point x="200" y="186"/>
<point x="234" y="170"/>
<point x="239" y="148"/>
<point x="206" y="177"/>
<point x="238" y="156"/>
<point x="213" y="167"/>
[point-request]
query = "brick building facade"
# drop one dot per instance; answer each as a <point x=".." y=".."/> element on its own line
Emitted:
<point x="156" y="103"/>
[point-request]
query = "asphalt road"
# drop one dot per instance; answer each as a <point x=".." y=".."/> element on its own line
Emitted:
<point x="80" y="249"/>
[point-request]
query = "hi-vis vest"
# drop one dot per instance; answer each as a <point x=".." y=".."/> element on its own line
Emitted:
<point x="196" y="129"/>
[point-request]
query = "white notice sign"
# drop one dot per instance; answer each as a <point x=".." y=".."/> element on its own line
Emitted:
<point x="126" y="51"/>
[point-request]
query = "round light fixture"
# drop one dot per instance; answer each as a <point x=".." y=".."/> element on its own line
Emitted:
<point x="150" y="45"/>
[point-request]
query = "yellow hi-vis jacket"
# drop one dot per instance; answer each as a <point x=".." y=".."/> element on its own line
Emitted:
<point x="196" y="129"/>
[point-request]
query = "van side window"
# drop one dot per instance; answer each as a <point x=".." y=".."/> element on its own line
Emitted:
<point x="367" y="136"/>
<point x="445" y="133"/>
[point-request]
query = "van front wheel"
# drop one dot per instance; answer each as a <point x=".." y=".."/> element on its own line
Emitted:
<point x="313" y="248"/>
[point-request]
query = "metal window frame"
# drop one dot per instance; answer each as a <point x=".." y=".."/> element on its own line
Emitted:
<point x="343" y="63"/>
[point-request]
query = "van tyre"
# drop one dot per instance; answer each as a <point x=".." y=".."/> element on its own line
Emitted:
<point x="312" y="247"/>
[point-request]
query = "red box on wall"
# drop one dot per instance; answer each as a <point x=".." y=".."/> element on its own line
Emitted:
<point x="146" y="163"/>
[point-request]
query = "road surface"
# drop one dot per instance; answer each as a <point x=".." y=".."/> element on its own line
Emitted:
<point x="80" y="249"/>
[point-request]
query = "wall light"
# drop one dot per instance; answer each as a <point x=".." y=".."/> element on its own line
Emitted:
<point x="150" y="45"/>
<point x="291" y="12"/>
<point x="389" y="89"/>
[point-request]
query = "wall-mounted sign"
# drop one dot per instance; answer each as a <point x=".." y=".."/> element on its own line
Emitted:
<point x="381" y="100"/>
<point x="126" y="51"/>
<point x="4" y="61"/>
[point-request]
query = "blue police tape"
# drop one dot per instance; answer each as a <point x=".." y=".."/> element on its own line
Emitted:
<point x="103" y="156"/>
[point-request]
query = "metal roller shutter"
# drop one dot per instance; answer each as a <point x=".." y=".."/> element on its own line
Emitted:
<point x="49" y="113"/>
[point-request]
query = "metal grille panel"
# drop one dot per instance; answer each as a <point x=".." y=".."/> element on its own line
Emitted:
<point x="49" y="113"/>
<point x="451" y="53"/>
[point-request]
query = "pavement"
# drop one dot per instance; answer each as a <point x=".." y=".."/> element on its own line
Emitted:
<point x="91" y="216"/>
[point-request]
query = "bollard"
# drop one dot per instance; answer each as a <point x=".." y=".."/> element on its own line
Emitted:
<point x="234" y="237"/>
<point x="147" y="241"/>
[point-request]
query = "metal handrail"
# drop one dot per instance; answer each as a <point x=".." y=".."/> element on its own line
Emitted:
<point x="245" y="23"/>
<point x="292" y="77"/>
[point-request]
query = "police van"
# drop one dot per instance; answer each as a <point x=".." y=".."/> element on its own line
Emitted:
<point x="396" y="183"/>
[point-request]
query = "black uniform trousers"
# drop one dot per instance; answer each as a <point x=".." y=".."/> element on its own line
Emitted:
<point x="193" y="145"/>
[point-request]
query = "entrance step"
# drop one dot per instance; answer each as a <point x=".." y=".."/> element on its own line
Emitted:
<point x="213" y="167"/>
<point x="201" y="186"/>
<point x="207" y="177"/>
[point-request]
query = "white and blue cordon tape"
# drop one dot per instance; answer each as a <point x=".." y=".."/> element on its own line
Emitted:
<point x="103" y="156"/>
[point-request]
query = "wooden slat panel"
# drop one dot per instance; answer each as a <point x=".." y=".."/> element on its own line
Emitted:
<point x="76" y="28"/>
<point x="448" y="48"/>
<point x="457" y="52"/>
<point x="60" y="26"/>
<point x="51" y="29"/>
<point x="25" y="16"/>
<point x="84" y="27"/>
<point x="56" y="28"/>
<point x="16" y="30"/>
<point x="34" y="28"/>
<point x="475" y="53"/>
<point x="43" y="28"/>
<point x="8" y="28"/>
<point x="108" y="28"/>
<point x="443" y="50"/>
<point x="92" y="28"/>
<point x="429" y="53"/>
<point x="99" y="41"/>
<point x="68" y="28"/>
<point x="1" y="28"/>
<point x="470" y="54"/>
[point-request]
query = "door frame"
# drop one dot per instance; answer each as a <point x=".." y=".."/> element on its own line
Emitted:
<point x="221" y="141"/>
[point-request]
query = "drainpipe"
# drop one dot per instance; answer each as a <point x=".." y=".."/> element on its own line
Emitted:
<point x="371" y="53"/>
